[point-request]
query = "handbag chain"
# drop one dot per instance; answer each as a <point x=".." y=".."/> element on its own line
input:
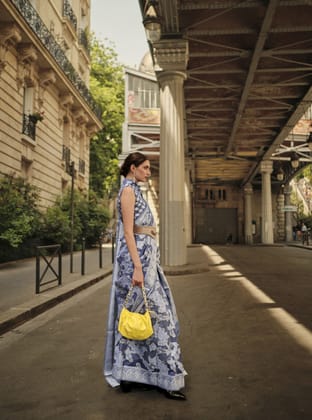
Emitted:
<point x="143" y="293"/>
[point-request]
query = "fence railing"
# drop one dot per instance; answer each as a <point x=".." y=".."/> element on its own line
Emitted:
<point x="48" y="260"/>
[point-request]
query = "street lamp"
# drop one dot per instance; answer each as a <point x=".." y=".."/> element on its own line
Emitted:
<point x="280" y="174"/>
<point x="151" y="21"/>
<point x="294" y="160"/>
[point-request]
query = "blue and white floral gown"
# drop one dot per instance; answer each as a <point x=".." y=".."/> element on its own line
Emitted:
<point x="157" y="360"/>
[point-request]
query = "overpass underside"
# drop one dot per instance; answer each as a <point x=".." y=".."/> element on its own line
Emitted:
<point x="235" y="78"/>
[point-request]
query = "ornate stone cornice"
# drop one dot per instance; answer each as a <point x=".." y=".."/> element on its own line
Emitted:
<point x="27" y="56"/>
<point x="80" y="116"/>
<point x="66" y="100"/>
<point x="10" y="35"/>
<point x="171" y="54"/>
<point x="27" y="53"/>
<point x="47" y="78"/>
<point x="92" y="129"/>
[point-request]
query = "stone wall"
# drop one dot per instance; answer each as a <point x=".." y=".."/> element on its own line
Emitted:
<point x="67" y="119"/>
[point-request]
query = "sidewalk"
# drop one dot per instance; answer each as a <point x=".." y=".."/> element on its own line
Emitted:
<point x="299" y="244"/>
<point x="18" y="300"/>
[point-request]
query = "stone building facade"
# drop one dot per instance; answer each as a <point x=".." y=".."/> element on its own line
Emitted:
<point x="47" y="114"/>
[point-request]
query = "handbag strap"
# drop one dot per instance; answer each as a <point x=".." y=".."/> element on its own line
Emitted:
<point x="130" y="293"/>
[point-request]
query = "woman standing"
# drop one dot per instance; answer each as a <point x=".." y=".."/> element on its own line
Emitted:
<point x="157" y="360"/>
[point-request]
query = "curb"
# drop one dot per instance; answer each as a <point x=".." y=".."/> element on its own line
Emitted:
<point x="42" y="303"/>
<point x="187" y="269"/>
<point x="294" y="245"/>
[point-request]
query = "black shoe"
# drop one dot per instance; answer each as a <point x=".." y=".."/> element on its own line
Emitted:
<point x="174" y="395"/>
<point x="126" y="386"/>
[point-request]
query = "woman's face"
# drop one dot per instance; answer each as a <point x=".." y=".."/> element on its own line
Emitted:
<point x="143" y="171"/>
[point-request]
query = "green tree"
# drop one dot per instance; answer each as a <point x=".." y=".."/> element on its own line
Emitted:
<point x="19" y="214"/>
<point x="90" y="220"/>
<point x="107" y="88"/>
<point x="307" y="173"/>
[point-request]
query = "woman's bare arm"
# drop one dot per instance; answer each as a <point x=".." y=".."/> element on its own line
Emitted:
<point x="127" y="201"/>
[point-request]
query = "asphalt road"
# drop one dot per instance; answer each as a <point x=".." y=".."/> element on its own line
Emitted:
<point x="246" y="343"/>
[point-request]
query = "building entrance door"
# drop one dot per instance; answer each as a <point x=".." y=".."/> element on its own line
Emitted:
<point x="215" y="226"/>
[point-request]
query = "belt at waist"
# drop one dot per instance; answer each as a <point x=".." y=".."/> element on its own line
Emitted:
<point x="145" y="230"/>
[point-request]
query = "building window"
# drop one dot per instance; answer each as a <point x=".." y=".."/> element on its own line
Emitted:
<point x="69" y="14"/>
<point x="214" y="194"/>
<point x="26" y="169"/>
<point x="29" y="123"/>
<point x="81" y="163"/>
<point x="82" y="166"/>
<point x="145" y="93"/>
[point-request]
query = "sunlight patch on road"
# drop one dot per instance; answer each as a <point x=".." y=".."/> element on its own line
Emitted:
<point x="299" y="332"/>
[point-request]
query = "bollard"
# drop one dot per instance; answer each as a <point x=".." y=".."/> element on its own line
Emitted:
<point x="83" y="256"/>
<point x="37" y="271"/>
<point x="100" y="253"/>
<point x="60" y="265"/>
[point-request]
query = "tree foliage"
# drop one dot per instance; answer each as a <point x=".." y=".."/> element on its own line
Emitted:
<point x="90" y="220"/>
<point x="107" y="87"/>
<point x="19" y="214"/>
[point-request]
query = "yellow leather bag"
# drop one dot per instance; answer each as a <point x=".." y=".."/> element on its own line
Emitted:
<point x="133" y="325"/>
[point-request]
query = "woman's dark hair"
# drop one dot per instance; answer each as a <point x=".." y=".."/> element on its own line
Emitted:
<point x="135" y="159"/>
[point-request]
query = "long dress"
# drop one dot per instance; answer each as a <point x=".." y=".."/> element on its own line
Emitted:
<point x="157" y="360"/>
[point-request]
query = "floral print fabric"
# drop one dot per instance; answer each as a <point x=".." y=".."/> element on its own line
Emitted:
<point x="157" y="360"/>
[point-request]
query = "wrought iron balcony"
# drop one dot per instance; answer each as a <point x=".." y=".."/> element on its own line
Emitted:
<point x="69" y="14"/>
<point x="84" y="41"/>
<point x="29" y="126"/>
<point x="82" y="166"/>
<point x="34" y="21"/>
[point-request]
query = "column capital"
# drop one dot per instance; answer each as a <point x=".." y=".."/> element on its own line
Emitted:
<point x="171" y="54"/>
<point x="170" y="76"/>
<point x="266" y="166"/>
<point x="248" y="190"/>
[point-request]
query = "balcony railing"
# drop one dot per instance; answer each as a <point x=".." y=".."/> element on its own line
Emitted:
<point x="29" y="126"/>
<point x="69" y="14"/>
<point x="44" y="35"/>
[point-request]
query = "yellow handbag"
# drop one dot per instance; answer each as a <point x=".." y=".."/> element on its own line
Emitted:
<point x="133" y="325"/>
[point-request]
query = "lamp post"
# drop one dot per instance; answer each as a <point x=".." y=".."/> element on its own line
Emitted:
<point x="294" y="161"/>
<point x="151" y="21"/>
<point x="280" y="174"/>
<point x="72" y="173"/>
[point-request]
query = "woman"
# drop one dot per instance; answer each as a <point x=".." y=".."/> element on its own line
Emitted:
<point x="156" y="361"/>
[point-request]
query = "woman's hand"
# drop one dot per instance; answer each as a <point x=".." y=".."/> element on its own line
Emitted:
<point x="137" y="277"/>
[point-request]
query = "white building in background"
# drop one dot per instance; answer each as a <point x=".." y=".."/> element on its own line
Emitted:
<point x="47" y="114"/>
<point x="141" y="128"/>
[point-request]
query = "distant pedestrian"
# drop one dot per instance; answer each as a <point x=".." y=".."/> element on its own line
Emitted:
<point x="304" y="233"/>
